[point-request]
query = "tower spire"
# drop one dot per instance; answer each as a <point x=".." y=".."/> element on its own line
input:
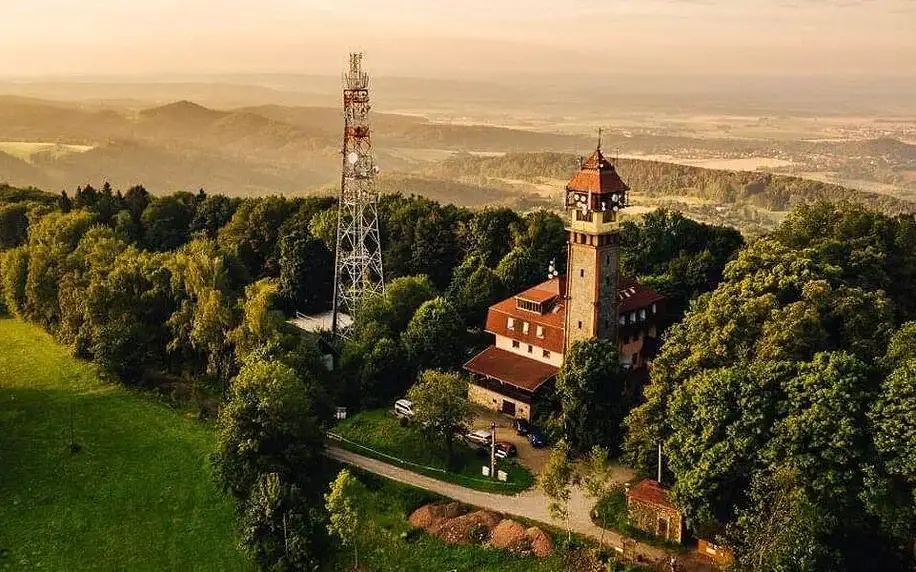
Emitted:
<point x="599" y="139"/>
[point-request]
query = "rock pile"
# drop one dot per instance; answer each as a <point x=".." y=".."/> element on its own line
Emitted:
<point x="455" y="525"/>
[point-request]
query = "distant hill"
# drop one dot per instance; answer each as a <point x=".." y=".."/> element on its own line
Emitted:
<point x="253" y="150"/>
<point x="652" y="178"/>
<point x="15" y="171"/>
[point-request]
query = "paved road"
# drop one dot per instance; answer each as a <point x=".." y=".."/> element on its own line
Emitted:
<point x="530" y="504"/>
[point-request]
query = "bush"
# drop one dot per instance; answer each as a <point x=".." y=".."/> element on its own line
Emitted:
<point x="479" y="533"/>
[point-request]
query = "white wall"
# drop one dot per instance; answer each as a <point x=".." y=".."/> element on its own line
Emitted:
<point x="504" y="343"/>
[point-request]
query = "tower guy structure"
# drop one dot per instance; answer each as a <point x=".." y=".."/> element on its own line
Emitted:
<point x="358" y="256"/>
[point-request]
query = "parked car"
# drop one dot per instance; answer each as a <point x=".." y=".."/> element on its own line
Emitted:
<point x="536" y="439"/>
<point x="403" y="408"/>
<point x="480" y="437"/>
<point x="522" y="426"/>
<point x="504" y="450"/>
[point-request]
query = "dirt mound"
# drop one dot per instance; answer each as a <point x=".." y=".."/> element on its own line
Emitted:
<point x="507" y="534"/>
<point x="453" y="524"/>
<point x="541" y="543"/>
<point x="432" y="516"/>
<point x="460" y="529"/>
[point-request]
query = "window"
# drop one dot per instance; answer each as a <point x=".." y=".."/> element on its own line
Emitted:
<point x="633" y="317"/>
<point x="515" y="344"/>
<point x="582" y="273"/>
<point x="546" y="354"/>
<point x="622" y="321"/>
<point x="524" y="327"/>
<point x="580" y="325"/>
<point x="642" y="314"/>
<point x="530" y="349"/>
<point x="653" y="308"/>
<point x="540" y="331"/>
<point x="511" y="324"/>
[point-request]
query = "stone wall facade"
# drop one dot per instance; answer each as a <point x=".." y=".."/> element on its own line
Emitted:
<point x="592" y="283"/>
<point x="494" y="401"/>
<point x="664" y="522"/>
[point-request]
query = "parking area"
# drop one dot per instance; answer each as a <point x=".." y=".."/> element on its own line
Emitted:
<point x="534" y="459"/>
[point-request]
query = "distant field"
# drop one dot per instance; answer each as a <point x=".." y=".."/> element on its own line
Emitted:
<point x="138" y="496"/>
<point x="25" y="150"/>
<point x="742" y="164"/>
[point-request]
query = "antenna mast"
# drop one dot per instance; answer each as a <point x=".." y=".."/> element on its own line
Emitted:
<point x="358" y="256"/>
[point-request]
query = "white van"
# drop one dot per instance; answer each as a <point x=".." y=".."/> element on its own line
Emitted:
<point x="480" y="437"/>
<point x="403" y="408"/>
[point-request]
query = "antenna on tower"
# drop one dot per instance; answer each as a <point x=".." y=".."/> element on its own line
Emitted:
<point x="552" y="271"/>
<point x="599" y="139"/>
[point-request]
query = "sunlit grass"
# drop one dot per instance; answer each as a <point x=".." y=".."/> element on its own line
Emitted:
<point x="137" y="496"/>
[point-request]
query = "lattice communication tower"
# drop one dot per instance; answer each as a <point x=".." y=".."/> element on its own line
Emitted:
<point x="358" y="257"/>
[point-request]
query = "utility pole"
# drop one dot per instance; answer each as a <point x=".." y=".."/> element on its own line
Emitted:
<point x="493" y="450"/>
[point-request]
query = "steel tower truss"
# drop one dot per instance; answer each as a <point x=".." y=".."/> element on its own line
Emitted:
<point x="358" y="257"/>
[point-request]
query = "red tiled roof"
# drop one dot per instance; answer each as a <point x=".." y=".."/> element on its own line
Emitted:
<point x="553" y="322"/>
<point x="597" y="175"/>
<point x="651" y="492"/>
<point x="507" y="367"/>
<point x="537" y="296"/>
<point x="633" y="296"/>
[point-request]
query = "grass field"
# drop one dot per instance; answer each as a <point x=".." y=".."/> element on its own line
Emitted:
<point x="379" y="432"/>
<point x="138" y="495"/>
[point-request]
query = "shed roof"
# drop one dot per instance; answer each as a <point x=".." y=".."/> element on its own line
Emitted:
<point x="652" y="492"/>
<point x="507" y="367"/>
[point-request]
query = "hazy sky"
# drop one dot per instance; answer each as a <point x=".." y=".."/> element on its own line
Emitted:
<point x="442" y="37"/>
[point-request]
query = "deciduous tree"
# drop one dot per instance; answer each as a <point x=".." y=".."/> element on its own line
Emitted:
<point x="593" y="394"/>
<point x="344" y="504"/>
<point x="433" y="336"/>
<point x="441" y="407"/>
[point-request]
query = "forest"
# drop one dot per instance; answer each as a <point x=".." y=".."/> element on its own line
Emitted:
<point x="656" y="179"/>
<point x="784" y="394"/>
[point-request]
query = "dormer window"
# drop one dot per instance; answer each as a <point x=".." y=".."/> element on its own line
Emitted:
<point x="511" y="323"/>
<point x="540" y="331"/>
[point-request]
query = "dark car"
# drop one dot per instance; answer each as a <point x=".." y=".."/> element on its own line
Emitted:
<point x="504" y="449"/>
<point x="536" y="439"/>
<point x="522" y="426"/>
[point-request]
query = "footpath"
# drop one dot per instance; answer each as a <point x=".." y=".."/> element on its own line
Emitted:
<point x="530" y="504"/>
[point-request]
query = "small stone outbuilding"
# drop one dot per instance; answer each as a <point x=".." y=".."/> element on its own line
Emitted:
<point x="650" y="510"/>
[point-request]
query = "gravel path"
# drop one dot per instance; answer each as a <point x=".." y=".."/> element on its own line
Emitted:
<point x="530" y="504"/>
